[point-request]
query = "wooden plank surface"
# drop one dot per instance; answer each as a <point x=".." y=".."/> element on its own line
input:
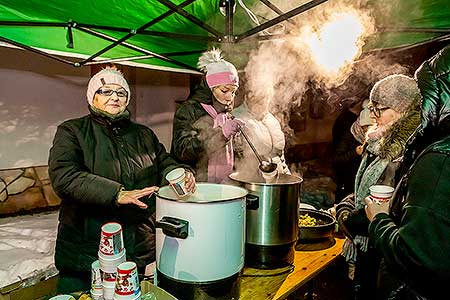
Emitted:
<point x="278" y="284"/>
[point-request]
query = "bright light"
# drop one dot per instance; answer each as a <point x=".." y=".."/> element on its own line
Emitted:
<point x="336" y="43"/>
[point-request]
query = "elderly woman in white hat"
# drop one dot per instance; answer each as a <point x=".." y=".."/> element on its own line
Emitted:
<point x="203" y="131"/>
<point x="105" y="168"/>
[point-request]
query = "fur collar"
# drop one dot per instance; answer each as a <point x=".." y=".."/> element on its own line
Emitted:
<point x="392" y="145"/>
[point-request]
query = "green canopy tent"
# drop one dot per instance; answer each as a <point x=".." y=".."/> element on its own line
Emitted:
<point x="170" y="34"/>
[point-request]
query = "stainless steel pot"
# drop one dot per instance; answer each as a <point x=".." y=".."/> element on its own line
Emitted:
<point x="271" y="219"/>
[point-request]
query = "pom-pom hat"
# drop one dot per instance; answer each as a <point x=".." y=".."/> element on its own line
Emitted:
<point x="218" y="71"/>
<point x="106" y="76"/>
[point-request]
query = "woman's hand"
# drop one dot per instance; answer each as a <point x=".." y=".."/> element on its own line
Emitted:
<point x="189" y="182"/>
<point x="132" y="197"/>
<point x="373" y="208"/>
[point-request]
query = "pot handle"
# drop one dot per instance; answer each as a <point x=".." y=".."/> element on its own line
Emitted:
<point x="173" y="227"/>
<point x="252" y="201"/>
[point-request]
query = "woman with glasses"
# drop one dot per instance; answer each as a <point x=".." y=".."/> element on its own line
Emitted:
<point x="203" y="129"/>
<point x="394" y="106"/>
<point x="412" y="231"/>
<point x="105" y="168"/>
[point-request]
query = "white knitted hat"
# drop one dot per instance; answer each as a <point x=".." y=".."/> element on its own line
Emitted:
<point x="218" y="71"/>
<point x="106" y="76"/>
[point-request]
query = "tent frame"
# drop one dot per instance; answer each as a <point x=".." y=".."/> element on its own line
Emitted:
<point x="227" y="36"/>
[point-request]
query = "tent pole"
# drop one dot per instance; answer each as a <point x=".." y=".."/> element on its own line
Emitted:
<point x="22" y="46"/>
<point x="132" y="47"/>
<point x="284" y="17"/>
<point x="229" y="6"/>
<point x="276" y="9"/>
<point x="190" y="17"/>
<point x="134" y="31"/>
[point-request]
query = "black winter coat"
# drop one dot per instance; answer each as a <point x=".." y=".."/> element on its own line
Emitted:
<point x="415" y="238"/>
<point x="194" y="139"/>
<point x="92" y="157"/>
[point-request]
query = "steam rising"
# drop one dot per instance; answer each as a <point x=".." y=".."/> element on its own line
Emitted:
<point x="321" y="51"/>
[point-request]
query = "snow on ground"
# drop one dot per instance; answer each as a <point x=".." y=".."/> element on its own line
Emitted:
<point x="27" y="246"/>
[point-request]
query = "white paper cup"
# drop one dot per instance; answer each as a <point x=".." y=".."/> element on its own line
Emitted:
<point x="381" y="193"/>
<point x="62" y="297"/>
<point x="108" y="290"/>
<point x="109" y="264"/>
<point x="109" y="278"/>
<point x="111" y="239"/>
<point x="97" y="294"/>
<point x="96" y="275"/>
<point x="127" y="283"/>
<point x="176" y="179"/>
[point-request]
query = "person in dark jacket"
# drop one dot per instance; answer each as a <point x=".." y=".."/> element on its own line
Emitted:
<point x="393" y="105"/>
<point x="203" y="129"/>
<point x="105" y="168"/>
<point x="412" y="231"/>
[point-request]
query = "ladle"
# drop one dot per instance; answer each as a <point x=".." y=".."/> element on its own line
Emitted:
<point x="264" y="166"/>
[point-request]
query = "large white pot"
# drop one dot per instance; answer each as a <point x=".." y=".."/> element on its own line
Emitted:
<point x="201" y="238"/>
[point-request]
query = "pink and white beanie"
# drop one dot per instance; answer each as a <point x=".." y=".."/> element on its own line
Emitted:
<point x="106" y="76"/>
<point x="218" y="71"/>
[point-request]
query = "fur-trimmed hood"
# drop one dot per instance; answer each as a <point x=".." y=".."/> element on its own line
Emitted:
<point x="392" y="145"/>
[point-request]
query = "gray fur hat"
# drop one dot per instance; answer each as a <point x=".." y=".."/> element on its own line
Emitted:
<point x="397" y="91"/>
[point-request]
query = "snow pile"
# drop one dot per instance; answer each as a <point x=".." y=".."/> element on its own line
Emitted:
<point x="27" y="246"/>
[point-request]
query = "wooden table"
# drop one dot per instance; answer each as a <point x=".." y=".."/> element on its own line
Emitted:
<point x="266" y="284"/>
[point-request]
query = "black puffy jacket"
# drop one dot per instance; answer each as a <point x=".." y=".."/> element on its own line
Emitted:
<point x="414" y="239"/>
<point x="194" y="138"/>
<point x="92" y="157"/>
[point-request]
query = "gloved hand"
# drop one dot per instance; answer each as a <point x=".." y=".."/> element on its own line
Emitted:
<point x="231" y="126"/>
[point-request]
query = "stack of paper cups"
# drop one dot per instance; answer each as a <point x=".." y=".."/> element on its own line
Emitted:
<point x="96" y="281"/>
<point x="127" y="283"/>
<point x="108" y="283"/>
<point x="111" y="251"/>
<point x="111" y="254"/>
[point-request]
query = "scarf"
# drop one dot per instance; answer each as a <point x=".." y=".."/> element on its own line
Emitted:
<point x="220" y="163"/>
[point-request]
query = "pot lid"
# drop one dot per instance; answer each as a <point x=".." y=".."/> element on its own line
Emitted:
<point x="257" y="178"/>
<point x="205" y="193"/>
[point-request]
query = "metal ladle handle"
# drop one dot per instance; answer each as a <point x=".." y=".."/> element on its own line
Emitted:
<point x="251" y="145"/>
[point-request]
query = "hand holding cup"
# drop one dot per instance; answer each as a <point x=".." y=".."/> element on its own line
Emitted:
<point x="373" y="208"/>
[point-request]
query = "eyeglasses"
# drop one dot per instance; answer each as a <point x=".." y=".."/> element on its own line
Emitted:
<point x="109" y="92"/>
<point x="377" y="110"/>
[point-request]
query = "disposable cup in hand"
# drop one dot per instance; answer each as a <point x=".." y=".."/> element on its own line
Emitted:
<point x="381" y="193"/>
<point x="176" y="179"/>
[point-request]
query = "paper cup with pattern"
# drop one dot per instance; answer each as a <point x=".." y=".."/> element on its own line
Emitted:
<point x="176" y="179"/>
<point x="381" y="193"/>
<point x="111" y="239"/>
<point x="96" y="276"/>
<point x="127" y="283"/>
